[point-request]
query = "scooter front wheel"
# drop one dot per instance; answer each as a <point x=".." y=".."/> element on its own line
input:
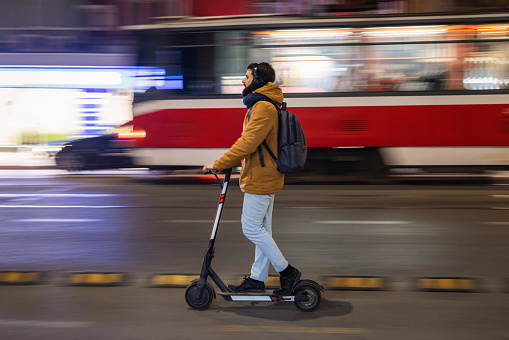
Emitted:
<point x="199" y="303"/>
<point x="307" y="297"/>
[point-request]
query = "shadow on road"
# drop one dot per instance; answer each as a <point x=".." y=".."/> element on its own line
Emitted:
<point x="288" y="311"/>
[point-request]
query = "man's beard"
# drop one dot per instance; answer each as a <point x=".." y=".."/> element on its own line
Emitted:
<point x="247" y="90"/>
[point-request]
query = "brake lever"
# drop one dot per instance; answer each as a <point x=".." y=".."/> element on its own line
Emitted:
<point x="215" y="172"/>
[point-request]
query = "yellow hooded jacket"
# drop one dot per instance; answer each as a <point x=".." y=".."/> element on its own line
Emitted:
<point x="262" y="125"/>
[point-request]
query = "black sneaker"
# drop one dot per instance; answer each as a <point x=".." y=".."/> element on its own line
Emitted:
<point x="248" y="285"/>
<point x="288" y="282"/>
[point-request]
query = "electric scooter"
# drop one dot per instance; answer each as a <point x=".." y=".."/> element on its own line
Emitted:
<point x="199" y="294"/>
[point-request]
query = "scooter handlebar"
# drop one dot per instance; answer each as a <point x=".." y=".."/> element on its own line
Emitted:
<point x="214" y="171"/>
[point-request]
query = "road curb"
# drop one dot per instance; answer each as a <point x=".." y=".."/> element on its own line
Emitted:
<point x="448" y="284"/>
<point x="181" y="280"/>
<point x="14" y="277"/>
<point x="171" y="280"/>
<point x="348" y="282"/>
<point x="97" y="279"/>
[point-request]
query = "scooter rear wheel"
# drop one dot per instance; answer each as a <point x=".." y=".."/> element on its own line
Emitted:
<point x="199" y="303"/>
<point x="307" y="298"/>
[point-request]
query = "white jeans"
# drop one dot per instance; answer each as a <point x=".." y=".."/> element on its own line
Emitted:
<point x="257" y="227"/>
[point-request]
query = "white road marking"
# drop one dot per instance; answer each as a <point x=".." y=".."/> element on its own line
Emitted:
<point x="36" y="196"/>
<point x="61" y="195"/>
<point x="200" y="221"/>
<point x="66" y="206"/>
<point x="364" y="222"/>
<point x="44" y="324"/>
<point x="76" y="220"/>
<point x="307" y="207"/>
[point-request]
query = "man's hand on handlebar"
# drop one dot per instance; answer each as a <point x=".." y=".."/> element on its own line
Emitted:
<point x="208" y="168"/>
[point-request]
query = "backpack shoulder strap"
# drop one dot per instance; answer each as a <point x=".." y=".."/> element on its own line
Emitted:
<point x="264" y="143"/>
<point x="268" y="150"/>
<point x="260" y="153"/>
<point x="249" y="113"/>
<point x="275" y="104"/>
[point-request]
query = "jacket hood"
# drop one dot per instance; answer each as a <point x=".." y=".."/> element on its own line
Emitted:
<point x="272" y="91"/>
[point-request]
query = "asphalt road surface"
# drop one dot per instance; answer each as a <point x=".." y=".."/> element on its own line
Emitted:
<point x="141" y="225"/>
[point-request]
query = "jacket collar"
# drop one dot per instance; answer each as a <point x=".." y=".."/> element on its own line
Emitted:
<point x="253" y="98"/>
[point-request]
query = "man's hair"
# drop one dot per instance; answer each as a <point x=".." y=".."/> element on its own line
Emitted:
<point x="263" y="71"/>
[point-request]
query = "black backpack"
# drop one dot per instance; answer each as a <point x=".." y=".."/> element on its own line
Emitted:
<point x="291" y="142"/>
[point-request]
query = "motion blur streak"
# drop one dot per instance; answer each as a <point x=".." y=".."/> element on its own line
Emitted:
<point x="44" y="324"/>
<point x="57" y="220"/>
<point x="363" y="222"/>
<point x="66" y="206"/>
<point x="61" y="195"/>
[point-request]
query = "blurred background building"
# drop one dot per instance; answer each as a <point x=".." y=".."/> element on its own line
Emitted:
<point x="67" y="70"/>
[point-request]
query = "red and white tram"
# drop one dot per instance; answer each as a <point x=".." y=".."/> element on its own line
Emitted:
<point x="427" y="92"/>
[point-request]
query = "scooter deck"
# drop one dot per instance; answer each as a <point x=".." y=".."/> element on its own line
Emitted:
<point x="267" y="296"/>
<point x="267" y="292"/>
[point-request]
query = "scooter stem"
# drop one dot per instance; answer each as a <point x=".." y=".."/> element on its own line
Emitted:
<point x="209" y="254"/>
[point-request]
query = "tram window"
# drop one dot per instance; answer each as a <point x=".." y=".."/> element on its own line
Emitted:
<point x="231" y="60"/>
<point x="486" y="67"/>
<point x="211" y="62"/>
<point x="384" y="67"/>
<point x="410" y="67"/>
<point x="398" y="67"/>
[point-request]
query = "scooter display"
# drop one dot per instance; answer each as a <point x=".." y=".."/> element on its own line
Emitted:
<point x="306" y="294"/>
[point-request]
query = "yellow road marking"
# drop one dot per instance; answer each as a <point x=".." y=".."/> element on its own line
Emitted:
<point x="96" y="278"/>
<point x="355" y="282"/>
<point x="273" y="281"/>
<point x="447" y="283"/>
<point x="173" y="279"/>
<point x="19" y="277"/>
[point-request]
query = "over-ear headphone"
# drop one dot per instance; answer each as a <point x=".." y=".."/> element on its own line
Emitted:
<point x="257" y="80"/>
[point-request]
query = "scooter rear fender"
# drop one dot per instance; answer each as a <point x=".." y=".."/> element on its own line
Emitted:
<point x="302" y="283"/>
